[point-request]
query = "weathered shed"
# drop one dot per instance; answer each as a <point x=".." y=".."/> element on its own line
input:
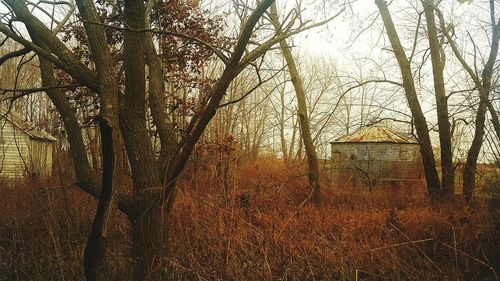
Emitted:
<point x="376" y="155"/>
<point x="24" y="150"/>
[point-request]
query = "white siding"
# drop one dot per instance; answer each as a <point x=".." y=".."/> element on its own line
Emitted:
<point x="13" y="150"/>
<point x="21" y="155"/>
<point x="40" y="158"/>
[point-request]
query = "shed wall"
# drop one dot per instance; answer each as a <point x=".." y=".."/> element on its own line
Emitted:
<point x="377" y="163"/>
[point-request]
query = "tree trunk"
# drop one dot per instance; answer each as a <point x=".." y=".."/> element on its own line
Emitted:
<point x="94" y="262"/>
<point x="158" y="106"/>
<point x="156" y="99"/>
<point x="94" y="256"/>
<point x="148" y="230"/>
<point x="292" y="140"/>
<point x="81" y="165"/>
<point x="483" y="85"/>
<point x="494" y="119"/>
<point x="95" y="252"/>
<point x="199" y="122"/>
<point x="110" y="143"/>
<point x="312" y="161"/>
<point x="447" y="168"/>
<point x="281" y="120"/>
<point x="431" y="175"/>
<point x="484" y="88"/>
<point x="469" y="176"/>
<point x="85" y="178"/>
<point x="148" y="239"/>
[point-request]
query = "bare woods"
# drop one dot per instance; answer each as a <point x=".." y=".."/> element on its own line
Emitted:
<point x="182" y="140"/>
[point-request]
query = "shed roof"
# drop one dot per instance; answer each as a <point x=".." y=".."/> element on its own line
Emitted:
<point x="25" y="126"/>
<point x="376" y="134"/>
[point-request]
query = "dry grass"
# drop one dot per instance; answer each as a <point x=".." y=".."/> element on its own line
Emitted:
<point x="260" y="229"/>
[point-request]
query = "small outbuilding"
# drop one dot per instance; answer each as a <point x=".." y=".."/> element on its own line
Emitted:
<point x="377" y="156"/>
<point x="24" y="150"/>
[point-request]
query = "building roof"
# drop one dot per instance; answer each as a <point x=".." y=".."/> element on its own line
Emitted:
<point x="376" y="134"/>
<point x="25" y="126"/>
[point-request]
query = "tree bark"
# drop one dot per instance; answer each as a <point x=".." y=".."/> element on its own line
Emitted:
<point x="281" y="120"/>
<point x="95" y="251"/>
<point x="94" y="257"/>
<point x="148" y="243"/>
<point x="469" y="176"/>
<point x="312" y="159"/>
<point x="94" y="264"/>
<point x="81" y="165"/>
<point x="431" y="175"/>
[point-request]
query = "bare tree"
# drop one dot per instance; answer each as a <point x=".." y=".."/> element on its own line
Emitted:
<point x="305" y="130"/>
<point x="438" y="63"/>
<point x="483" y="86"/>
<point x="431" y="175"/>
<point x="124" y="112"/>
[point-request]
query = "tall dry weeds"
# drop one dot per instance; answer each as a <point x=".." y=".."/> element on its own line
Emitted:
<point x="260" y="229"/>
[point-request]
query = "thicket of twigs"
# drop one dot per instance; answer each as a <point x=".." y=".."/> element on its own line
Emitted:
<point x="252" y="222"/>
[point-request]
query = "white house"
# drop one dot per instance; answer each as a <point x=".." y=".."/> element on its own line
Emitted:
<point x="24" y="150"/>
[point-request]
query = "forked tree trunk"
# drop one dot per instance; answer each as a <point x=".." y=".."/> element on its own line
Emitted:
<point x="469" y="176"/>
<point x="81" y="165"/>
<point x="483" y="85"/>
<point x="95" y="251"/>
<point x="148" y="230"/>
<point x="431" y="175"/>
<point x="437" y="58"/>
<point x="312" y="159"/>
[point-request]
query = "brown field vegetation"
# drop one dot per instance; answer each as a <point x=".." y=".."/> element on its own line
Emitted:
<point x="260" y="228"/>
